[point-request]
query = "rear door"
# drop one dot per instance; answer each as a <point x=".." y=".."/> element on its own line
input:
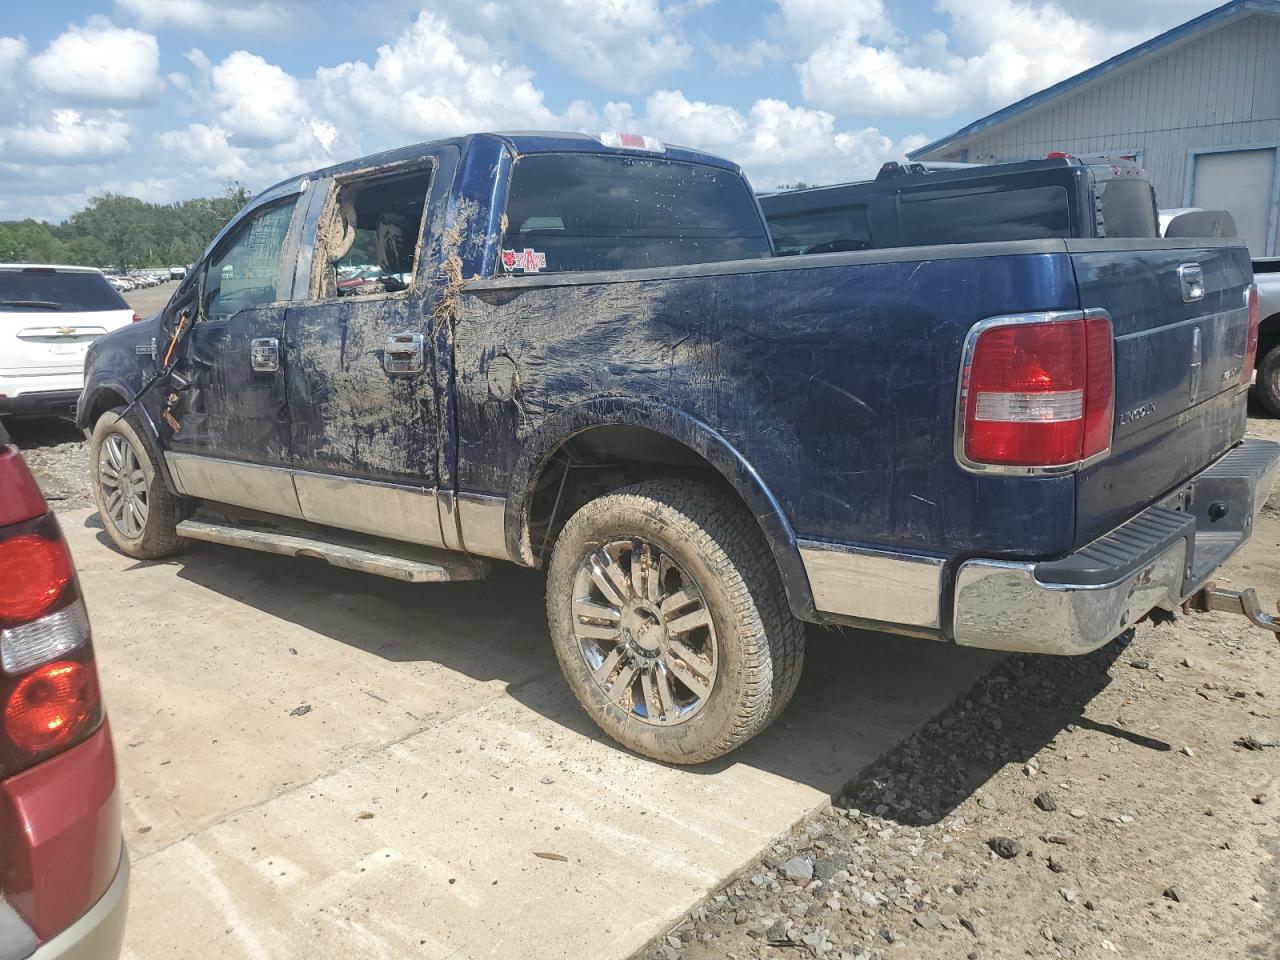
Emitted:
<point x="360" y="354"/>
<point x="1180" y="322"/>
<point x="49" y="316"/>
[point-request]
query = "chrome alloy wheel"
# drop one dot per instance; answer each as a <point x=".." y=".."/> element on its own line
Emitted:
<point x="123" y="485"/>
<point x="645" y="632"/>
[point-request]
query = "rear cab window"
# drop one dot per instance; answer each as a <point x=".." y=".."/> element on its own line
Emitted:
<point x="821" y="231"/>
<point x="1032" y="213"/>
<point x="571" y="211"/>
<point x="49" y="290"/>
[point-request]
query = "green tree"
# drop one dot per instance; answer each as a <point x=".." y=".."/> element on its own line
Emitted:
<point x="118" y="223"/>
<point x="124" y="232"/>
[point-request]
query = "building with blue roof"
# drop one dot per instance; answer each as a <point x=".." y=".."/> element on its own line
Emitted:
<point x="1198" y="106"/>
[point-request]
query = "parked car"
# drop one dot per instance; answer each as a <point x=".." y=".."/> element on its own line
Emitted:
<point x="1266" y="274"/>
<point x="177" y="273"/>
<point x="601" y="368"/>
<point x="924" y="203"/>
<point x="48" y="317"/>
<point x="64" y="872"/>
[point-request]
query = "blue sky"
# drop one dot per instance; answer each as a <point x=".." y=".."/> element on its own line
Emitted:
<point x="167" y="99"/>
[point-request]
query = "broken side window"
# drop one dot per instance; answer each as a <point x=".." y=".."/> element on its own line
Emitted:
<point x="369" y="237"/>
<point x="243" y="271"/>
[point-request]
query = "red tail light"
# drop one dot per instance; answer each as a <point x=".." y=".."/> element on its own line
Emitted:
<point x="48" y="684"/>
<point x="52" y="707"/>
<point x="1251" y="341"/>
<point x="137" y="318"/>
<point x="34" y="571"/>
<point x="1037" y="393"/>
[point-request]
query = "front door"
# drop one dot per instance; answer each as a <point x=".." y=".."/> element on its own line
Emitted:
<point x="360" y="365"/>
<point x="231" y="442"/>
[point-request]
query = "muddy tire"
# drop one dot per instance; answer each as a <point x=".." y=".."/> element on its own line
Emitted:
<point x="137" y="508"/>
<point x="1267" y="384"/>
<point x="670" y="620"/>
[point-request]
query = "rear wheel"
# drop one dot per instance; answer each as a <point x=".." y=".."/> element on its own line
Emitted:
<point x="1267" y="386"/>
<point x="137" y="508"/>
<point x="670" y="620"/>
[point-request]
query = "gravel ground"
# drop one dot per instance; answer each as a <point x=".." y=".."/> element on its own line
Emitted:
<point x="1126" y="803"/>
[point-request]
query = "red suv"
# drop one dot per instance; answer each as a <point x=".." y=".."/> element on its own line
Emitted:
<point x="64" y="874"/>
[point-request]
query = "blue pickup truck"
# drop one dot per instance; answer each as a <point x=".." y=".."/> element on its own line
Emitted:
<point x="581" y="353"/>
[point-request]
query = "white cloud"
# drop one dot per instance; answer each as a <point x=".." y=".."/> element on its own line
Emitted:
<point x="69" y="137"/>
<point x="13" y="50"/>
<point x="619" y="44"/>
<point x="206" y="14"/>
<point x="774" y="141"/>
<point x="430" y="82"/>
<point x="259" y="103"/>
<point x="100" y="64"/>
<point x="995" y="53"/>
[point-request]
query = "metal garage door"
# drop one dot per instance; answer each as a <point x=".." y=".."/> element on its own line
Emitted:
<point x="1241" y="181"/>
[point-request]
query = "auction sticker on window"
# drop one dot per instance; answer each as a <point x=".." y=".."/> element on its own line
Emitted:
<point x="530" y="261"/>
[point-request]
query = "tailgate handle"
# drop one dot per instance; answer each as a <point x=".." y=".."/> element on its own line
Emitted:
<point x="1192" y="279"/>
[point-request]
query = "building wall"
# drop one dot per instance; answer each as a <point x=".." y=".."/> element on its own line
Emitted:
<point x="1219" y="90"/>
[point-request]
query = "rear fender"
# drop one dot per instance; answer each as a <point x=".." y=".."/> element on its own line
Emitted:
<point x="697" y="436"/>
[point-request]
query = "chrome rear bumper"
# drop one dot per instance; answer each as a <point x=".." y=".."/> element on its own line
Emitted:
<point x="1157" y="559"/>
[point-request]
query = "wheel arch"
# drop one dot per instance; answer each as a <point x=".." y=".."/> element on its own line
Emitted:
<point x="698" y="439"/>
<point x="107" y="394"/>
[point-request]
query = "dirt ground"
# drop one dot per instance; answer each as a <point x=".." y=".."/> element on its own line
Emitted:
<point x="1110" y="805"/>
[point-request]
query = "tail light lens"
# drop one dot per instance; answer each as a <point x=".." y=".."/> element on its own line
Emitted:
<point x="49" y="685"/>
<point x="137" y="318"/>
<point x="1037" y="393"/>
<point x="1251" y="341"/>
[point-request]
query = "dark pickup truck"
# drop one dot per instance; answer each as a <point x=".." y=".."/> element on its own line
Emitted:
<point x="582" y="353"/>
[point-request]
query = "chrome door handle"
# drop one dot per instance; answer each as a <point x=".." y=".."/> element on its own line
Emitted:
<point x="264" y="354"/>
<point x="404" y="353"/>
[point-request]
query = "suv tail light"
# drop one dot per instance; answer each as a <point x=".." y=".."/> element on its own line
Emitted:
<point x="1037" y="393"/>
<point x="1251" y="341"/>
<point x="49" y="699"/>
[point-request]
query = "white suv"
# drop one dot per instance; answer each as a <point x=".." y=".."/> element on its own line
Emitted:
<point x="48" y="317"/>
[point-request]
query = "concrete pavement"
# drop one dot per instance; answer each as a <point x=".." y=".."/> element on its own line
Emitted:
<point x="403" y="814"/>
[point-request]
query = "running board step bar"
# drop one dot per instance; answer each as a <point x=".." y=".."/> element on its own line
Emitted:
<point x="386" y="558"/>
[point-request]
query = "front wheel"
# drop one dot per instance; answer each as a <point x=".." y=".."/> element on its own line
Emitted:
<point x="138" y="510"/>
<point x="670" y="620"/>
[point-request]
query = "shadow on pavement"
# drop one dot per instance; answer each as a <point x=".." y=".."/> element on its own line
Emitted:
<point x="866" y="705"/>
<point x="32" y="433"/>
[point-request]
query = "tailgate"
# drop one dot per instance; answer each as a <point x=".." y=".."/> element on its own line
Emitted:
<point x="1179" y="403"/>
<point x="46" y="341"/>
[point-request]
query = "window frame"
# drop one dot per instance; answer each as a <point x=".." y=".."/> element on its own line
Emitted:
<point x="233" y="234"/>
<point x="314" y="294"/>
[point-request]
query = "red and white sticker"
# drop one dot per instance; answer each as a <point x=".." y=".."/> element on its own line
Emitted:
<point x="530" y="261"/>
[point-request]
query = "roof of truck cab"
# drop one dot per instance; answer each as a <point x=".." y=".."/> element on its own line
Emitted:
<point x="521" y="143"/>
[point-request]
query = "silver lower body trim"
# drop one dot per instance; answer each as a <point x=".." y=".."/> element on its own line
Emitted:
<point x="483" y="522"/>
<point x="868" y="584"/>
<point x="250" y="485"/>
<point x="1002" y="606"/>
<point x="397" y="511"/>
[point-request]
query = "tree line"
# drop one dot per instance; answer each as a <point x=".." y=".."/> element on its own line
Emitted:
<point x="123" y="233"/>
